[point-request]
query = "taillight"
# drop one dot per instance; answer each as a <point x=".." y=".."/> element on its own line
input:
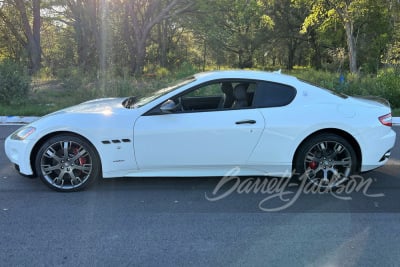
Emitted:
<point x="386" y="119"/>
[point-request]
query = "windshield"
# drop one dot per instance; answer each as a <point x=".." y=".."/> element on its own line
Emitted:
<point x="147" y="99"/>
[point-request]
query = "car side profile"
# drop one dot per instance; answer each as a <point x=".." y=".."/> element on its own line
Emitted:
<point x="261" y="123"/>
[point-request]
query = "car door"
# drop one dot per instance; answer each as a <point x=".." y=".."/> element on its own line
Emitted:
<point x="197" y="139"/>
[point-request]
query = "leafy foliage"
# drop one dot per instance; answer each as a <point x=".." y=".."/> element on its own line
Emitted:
<point x="386" y="84"/>
<point x="139" y="36"/>
<point x="102" y="48"/>
<point x="14" y="82"/>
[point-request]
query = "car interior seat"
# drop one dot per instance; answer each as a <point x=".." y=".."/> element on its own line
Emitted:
<point x="240" y="94"/>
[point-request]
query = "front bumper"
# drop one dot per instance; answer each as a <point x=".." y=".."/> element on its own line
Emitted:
<point x="18" y="152"/>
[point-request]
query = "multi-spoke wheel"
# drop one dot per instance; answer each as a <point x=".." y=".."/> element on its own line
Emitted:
<point x="67" y="163"/>
<point x="326" y="160"/>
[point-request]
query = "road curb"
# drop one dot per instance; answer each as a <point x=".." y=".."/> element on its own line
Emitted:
<point x="17" y="119"/>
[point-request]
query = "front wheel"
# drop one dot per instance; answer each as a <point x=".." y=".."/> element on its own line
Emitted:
<point x="326" y="160"/>
<point x="67" y="163"/>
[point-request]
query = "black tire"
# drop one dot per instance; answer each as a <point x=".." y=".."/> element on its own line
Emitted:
<point x="67" y="163"/>
<point x="326" y="160"/>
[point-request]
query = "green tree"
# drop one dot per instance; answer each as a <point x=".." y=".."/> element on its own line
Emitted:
<point x="344" y="11"/>
<point x="375" y="32"/>
<point x="234" y="27"/>
<point x="288" y="19"/>
<point x="140" y="17"/>
<point x="392" y="55"/>
<point x="22" y="20"/>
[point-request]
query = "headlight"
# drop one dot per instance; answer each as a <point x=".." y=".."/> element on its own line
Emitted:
<point x="23" y="133"/>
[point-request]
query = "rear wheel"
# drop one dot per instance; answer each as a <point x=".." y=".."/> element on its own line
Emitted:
<point x="326" y="160"/>
<point x="67" y="163"/>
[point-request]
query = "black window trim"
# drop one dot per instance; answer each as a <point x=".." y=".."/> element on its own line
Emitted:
<point x="156" y="110"/>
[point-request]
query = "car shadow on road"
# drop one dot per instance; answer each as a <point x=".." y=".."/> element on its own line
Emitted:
<point x="380" y="194"/>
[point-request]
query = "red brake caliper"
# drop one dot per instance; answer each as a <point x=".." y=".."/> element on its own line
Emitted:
<point x="82" y="160"/>
<point x="313" y="165"/>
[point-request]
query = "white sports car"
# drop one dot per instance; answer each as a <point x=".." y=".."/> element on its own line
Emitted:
<point x="260" y="123"/>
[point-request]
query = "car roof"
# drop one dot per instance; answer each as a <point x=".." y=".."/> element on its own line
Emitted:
<point x="247" y="74"/>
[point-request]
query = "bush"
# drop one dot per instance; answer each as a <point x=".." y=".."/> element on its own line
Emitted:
<point x="14" y="82"/>
<point x="185" y="70"/>
<point x="162" y="72"/>
<point x="386" y="84"/>
<point x="115" y="87"/>
<point x="73" y="78"/>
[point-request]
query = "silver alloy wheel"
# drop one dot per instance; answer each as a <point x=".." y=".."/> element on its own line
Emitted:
<point x="66" y="164"/>
<point x="328" y="164"/>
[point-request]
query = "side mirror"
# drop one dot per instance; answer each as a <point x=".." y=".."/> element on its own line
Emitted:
<point x="168" y="106"/>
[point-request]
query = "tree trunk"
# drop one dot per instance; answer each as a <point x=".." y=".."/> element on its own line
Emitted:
<point x="316" y="56"/>
<point x="36" y="53"/>
<point x="143" y="22"/>
<point x="85" y="14"/>
<point x="163" y="43"/>
<point x="204" y="56"/>
<point x="351" y="45"/>
<point x="127" y="36"/>
<point x="292" y="46"/>
<point x="32" y="33"/>
<point x="140" y="56"/>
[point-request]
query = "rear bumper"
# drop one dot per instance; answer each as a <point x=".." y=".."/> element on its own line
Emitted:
<point x="376" y="151"/>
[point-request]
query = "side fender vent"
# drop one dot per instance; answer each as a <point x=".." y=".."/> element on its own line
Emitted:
<point x="116" y="141"/>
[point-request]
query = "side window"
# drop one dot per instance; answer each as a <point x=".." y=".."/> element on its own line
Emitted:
<point x="213" y="89"/>
<point x="205" y="98"/>
<point x="269" y="94"/>
<point x="220" y="95"/>
<point x="250" y="92"/>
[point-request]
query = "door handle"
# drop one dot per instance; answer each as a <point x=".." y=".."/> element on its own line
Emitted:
<point x="246" y="122"/>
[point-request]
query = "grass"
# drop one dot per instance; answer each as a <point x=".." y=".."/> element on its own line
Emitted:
<point x="43" y="98"/>
<point x="51" y="95"/>
<point x="46" y="95"/>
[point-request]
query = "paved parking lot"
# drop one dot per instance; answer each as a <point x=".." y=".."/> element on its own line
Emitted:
<point x="170" y="222"/>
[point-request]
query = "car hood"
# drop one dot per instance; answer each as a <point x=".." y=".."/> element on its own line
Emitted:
<point x="95" y="116"/>
<point x="103" y="105"/>
<point x="89" y="112"/>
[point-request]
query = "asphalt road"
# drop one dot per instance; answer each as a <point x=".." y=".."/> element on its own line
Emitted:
<point x="169" y="222"/>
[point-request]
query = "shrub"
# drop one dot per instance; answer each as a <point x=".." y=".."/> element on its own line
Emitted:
<point x="115" y="87"/>
<point x="14" y="82"/>
<point x="73" y="78"/>
<point x="185" y="70"/>
<point x="388" y="84"/>
<point x="162" y="72"/>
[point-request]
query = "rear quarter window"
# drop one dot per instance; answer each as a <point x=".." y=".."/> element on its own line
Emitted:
<point x="269" y="94"/>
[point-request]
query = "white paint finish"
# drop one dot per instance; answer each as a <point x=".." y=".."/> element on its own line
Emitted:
<point x="210" y="143"/>
<point x="198" y="139"/>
